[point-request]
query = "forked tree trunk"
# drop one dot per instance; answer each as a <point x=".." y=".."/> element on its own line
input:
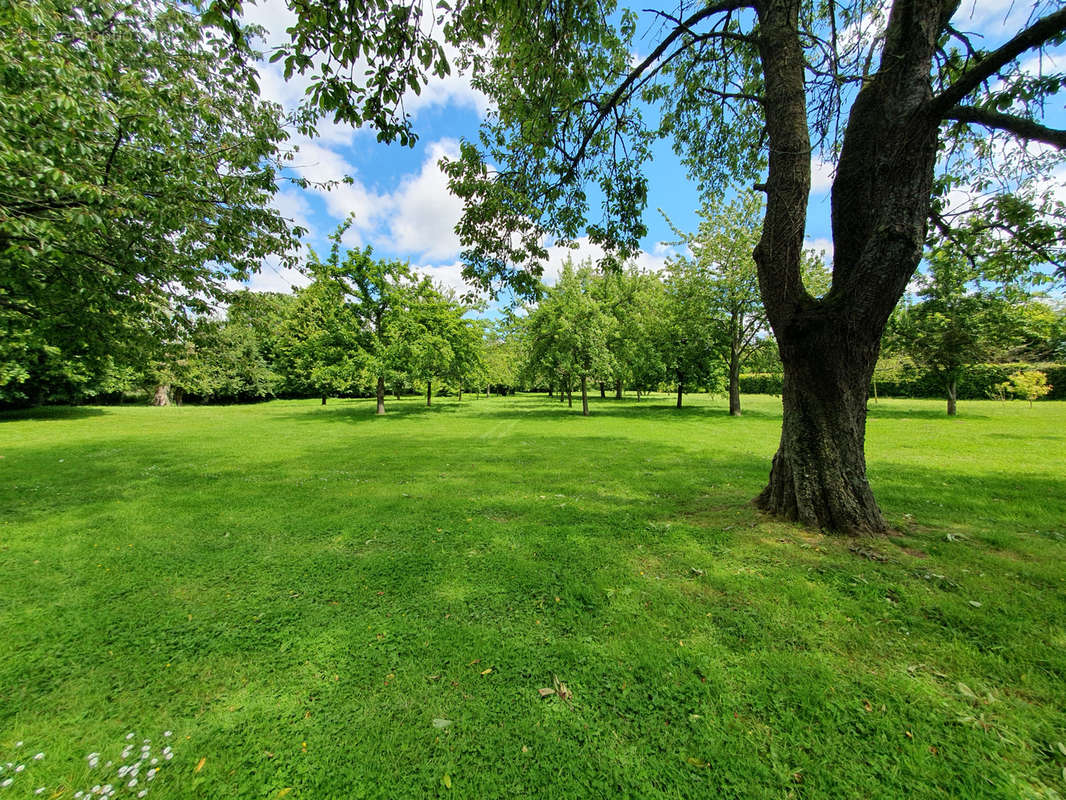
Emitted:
<point x="381" y="395"/>
<point x="734" y="383"/>
<point x="880" y="206"/>
<point x="952" y="387"/>
<point x="585" y="396"/>
<point x="818" y="477"/>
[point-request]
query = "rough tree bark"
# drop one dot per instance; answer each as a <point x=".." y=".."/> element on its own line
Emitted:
<point x="951" y="385"/>
<point x="381" y="394"/>
<point x="161" y="395"/>
<point x="680" y="390"/>
<point x="880" y="204"/>
<point x="618" y="389"/>
<point x="429" y="393"/>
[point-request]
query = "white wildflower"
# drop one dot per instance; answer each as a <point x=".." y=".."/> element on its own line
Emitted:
<point x="129" y="735"/>
<point x="132" y="783"/>
<point x="20" y="767"/>
<point x="168" y="734"/>
<point x="7" y="782"/>
<point x="39" y="790"/>
<point x="169" y="756"/>
<point x="142" y="793"/>
<point x="38" y="757"/>
<point x="154" y="761"/>
<point x="18" y="744"/>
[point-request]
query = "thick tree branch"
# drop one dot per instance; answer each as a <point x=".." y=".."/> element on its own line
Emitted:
<point x="1019" y="126"/>
<point x="1035" y="35"/>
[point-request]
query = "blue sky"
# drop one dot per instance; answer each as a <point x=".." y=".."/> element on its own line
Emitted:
<point x="399" y="197"/>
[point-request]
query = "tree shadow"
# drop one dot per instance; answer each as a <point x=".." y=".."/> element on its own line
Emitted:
<point x="877" y="411"/>
<point x="53" y="413"/>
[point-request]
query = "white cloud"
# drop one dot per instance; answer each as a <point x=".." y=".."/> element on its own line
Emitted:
<point x="274" y="278"/>
<point x="822" y="173"/>
<point x="821" y="245"/>
<point x="421" y="215"/>
<point x="448" y="275"/>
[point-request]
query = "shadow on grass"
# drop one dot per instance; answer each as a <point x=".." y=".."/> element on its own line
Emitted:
<point x="877" y="411"/>
<point x="53" y="413"/>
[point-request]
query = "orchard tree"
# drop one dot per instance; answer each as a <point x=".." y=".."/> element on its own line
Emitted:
<point x="139" y="163"/>
<point x="957" y="322"/>
<point x="722" y="251"/>
<point x="891" y="89"/>
<point x="686" y="332"/>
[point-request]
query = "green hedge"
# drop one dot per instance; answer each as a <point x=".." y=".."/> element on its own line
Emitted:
<point x="977" y="382"/>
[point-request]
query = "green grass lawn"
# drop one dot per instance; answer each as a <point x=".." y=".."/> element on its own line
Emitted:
<point x="318" y="603"/>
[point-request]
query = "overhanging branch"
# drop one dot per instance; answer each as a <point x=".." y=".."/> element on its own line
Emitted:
<point x="1035" y="35"/>
<point x="1019" y="126"/>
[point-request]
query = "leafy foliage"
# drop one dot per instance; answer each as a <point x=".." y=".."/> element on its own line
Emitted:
<point x="139" y="164"/>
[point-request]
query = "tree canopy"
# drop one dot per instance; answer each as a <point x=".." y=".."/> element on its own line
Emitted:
<point x="139" y="163"/>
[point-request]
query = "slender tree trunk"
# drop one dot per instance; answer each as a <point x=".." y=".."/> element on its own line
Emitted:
<point x="381" y="394"/>
<point x="549" y="390"/>
<point x="585" y="396"/>
<point x="680" y="387"/>
<point x="460" y="393"/>
<point x="734" y="382"/>
<point x="569" y="396"/>
<point x="603" y="391"/>
<point x="562" y="394"/>
<point x="429" y="393"/>
<point x="952" y="387"/>
<point x="638" y="395"/>
<point x="323" y="399"/>
<point x="618" y="389"/>
<point x="161" y="396"/>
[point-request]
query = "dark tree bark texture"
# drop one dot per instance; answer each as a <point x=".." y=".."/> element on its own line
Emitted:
<point x="381" y="395"/>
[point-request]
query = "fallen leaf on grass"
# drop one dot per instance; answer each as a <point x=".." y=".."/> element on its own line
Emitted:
<point x="441" y="723"/>
<point x="447" y="781"/>
<point x="562" y="690"/>
<point x="285" y="791"/>
<point x="545" y="692"/>
<point x="975" y="604"/>
<point x="200" y="764"/>
<point x="486" y="671"/>
<point x="696" y="762"/>
<point x="966" y="690"/>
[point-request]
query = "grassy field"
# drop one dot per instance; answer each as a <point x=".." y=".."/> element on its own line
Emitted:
<point x="316" y="603"/>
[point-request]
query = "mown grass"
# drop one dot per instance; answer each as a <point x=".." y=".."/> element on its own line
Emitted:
<point x="298" y="592"/>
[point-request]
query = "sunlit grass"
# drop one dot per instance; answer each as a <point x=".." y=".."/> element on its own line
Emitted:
<point x="299" y="592"/>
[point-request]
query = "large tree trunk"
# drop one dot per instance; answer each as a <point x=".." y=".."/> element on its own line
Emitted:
<point x="585" y="396"/>
<point x="818" y="476"/>
<point x="952" y="388"/>
<point x="161" y="396"/>
<point x="381" y="395"/>
<point x="618" y="389"/>
<point x="734" y="382"/>
<point x="880" y="204"/>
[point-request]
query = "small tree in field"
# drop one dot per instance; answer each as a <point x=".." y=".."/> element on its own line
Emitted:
<point x="1031" y="385"/>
